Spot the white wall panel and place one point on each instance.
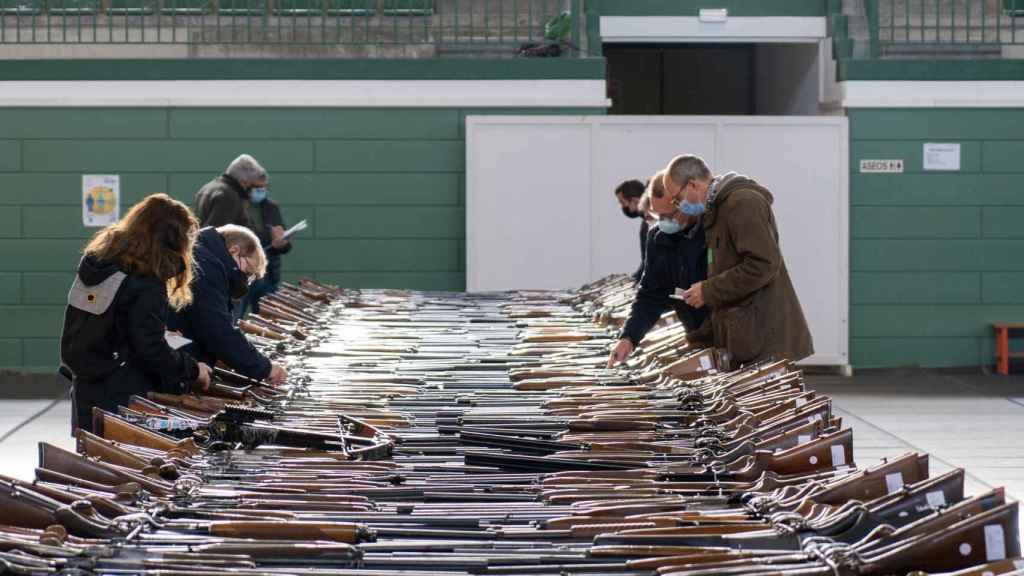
(531, 228)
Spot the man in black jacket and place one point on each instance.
(227, 258)
(266, 222)
(676, 257)
(628, 194)
(225, 199)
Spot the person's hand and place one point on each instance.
(202, 382)
(277, 239)
(694, 295)
(277, 375)
(621, 351)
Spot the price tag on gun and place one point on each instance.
(295, 229)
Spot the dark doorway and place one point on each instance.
(678, 79)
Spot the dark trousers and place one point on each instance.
(106, 394)
(257, 290)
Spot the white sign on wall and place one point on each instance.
(100, 200)
(881, 166)
(942, 156)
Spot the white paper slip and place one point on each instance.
(894, 482)
(936, 499)
(677, 294)
(175, 340)
(838, 455)
(995, 543)
(302, 225)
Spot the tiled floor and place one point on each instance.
(19, 453)
(962, 420)
(971, 421)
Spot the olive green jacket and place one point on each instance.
(755, 313)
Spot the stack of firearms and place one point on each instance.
(444, 434)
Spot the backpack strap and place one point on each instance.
(95, 299)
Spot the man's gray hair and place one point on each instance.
(245, 168)
(687, 167)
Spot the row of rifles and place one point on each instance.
(438, 434)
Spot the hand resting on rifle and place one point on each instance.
(621, 352)
(277, 375)
(202, 381)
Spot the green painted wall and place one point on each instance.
(383, 191)
(929, 70)
(936, 257)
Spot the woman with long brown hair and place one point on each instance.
(114, 340)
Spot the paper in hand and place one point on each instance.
(175, 340)
(295, 229)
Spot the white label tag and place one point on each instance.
(814, 418)
(881, 166)
(894, 482)
(800, 402)
(995, 543)
(705, 363)
(803, 439)
(936, 499)
(843, 469)
(838, 455)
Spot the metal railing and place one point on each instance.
(944, 26)
(418, 25)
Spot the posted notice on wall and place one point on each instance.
(942, 156)
(100, 199)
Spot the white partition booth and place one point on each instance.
(540, 212)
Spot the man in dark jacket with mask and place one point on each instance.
(674, 259)
(266, 222)
(227, 259)
(628, 194)
(226, 199)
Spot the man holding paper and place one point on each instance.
(266, 221)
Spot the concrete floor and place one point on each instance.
(964, 420)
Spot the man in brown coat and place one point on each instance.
(755, 313)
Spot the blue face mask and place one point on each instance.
(669, 225)
(691, 208)
(258, 195)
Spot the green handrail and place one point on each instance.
(941, 26)
(498, 27)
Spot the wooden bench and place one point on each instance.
(1003, 353)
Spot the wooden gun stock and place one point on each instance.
(346, 533)
(112, 427)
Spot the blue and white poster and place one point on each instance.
(100, 200)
